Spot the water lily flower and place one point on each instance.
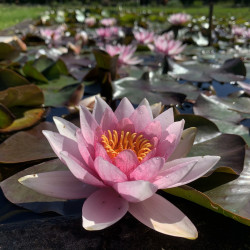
(108, 22)
(168, 47)
(125, 53)
(82, 36)
(53, 34)
(247, 34)
(90, 21)
(144, 36)
(107, 32)
(118, 160)
(179, 18)
(238, 31)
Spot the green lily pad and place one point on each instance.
(8, 52)
(29, 118)
(231, 199)
(31, 72)
(6, 117)
(55, 70)
(10, 78)
(227, 109)
(27, 146)
(25, 197)
(210, 141)
(154, 90)
(26, 95)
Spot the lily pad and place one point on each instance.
(6, 117)
(24, 197)
(26, 95)
(227, 109)
(29, 118)
(27, 146)
(137, 89)
(231, 199)
(10, 78)
(8, 52)
(210, 141)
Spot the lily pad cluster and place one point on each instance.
(62, 59)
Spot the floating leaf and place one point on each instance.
(26, 146)
(137, 89)
(9, 78)
(231, 199)
(25, 197)
(6, 117)
(8, 52)
(29, 118)
(26, 95)
(30, 71)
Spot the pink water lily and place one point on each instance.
(144, 36)
(168, 47)
(238, 31)
(125, 53)
(179, 18)
(90, 21)
(108, 22)
(118, 160)
(107, 32)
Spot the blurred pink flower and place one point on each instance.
(118, 160)
(179, 18)
(108, 22)
(168, 47)
(247, 34)
(82, 36)
(107, 32)
(53, 34)
(144, 36)
(125, 53)
(238, 31)
(90, 21)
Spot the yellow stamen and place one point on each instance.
(137, 143)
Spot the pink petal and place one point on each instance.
(88, 125)
(61, 143)
(108, 172)
(204, 164)
(147, 170)
(124, 110)
(176, 129)
(80, 171)
(162, 216)
(109, 121)
(153, 130)
(100, 151)
(166, 147)
(102, 209)
(126, 125)
(135, 191)
(185, 144)
(85, 149)
(126, 161)
(99, 109)
(146, 103)
(141, 118)
(166, 118)
(175, 171)
(58, 184)
(65, 127)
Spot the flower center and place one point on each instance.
(114, 143)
